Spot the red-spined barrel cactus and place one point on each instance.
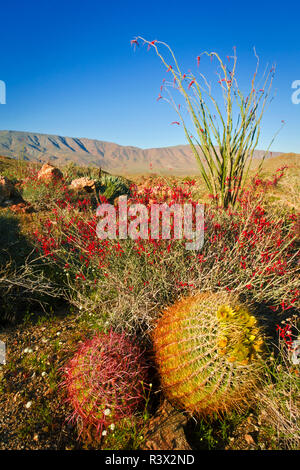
(105, 381)
(207, 350)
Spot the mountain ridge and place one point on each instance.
(112, 157)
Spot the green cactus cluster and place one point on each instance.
(207, 348)
(112, 186)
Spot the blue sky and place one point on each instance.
(69, 68)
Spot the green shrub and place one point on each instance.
(111, 187)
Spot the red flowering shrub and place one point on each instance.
(258, 181)
(42, 193)
(248, 251)
(104, 382)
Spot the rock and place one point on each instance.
(249, 439)
(22, 208)
(83, 184)
(8, 193)
(165, 431)
(49, 173)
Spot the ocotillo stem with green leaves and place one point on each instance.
(225, 169)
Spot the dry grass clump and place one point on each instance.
(21, 288)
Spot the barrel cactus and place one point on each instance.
(105, 382)
(207, 348)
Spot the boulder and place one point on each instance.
(83, 184)
(49, 173)
(8, 193)
(22, 208)
(165, 430)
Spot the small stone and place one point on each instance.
(28, 404)
(249, 439)
(27, 350)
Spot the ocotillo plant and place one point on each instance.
(234, 127)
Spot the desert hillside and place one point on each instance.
(107, 155)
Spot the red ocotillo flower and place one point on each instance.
(198, 61)
(151, 44)
(191, 83)
(175, 122)
(159, 97)
(169, 68)
(134, 42)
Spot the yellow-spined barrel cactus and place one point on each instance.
(207, 349)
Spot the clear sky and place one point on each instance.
(69, 68)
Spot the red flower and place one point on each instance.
(134, 43)
(151, 44)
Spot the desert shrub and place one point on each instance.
(42, 194)
(23, 288)
(233, 125)
(278, 400)
(72, 171)
(249, 252)
(111, 186)
(105, 382)
(207, 350)
(14, 245)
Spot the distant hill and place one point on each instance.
(107, 155)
